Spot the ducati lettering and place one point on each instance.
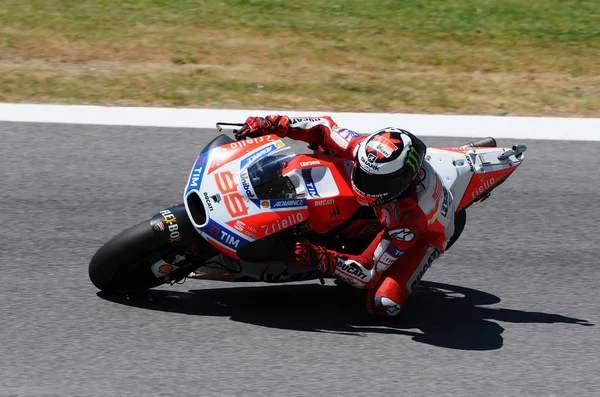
(446, 203)
(208, 203)
(304, 119)
(432, 257)
(308, 163)
(319, 203)
(171, 225)
(281, 224)
(350, 268)
(288, 203)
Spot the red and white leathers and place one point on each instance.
(417, 226)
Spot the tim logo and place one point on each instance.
(311, 188)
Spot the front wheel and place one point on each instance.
(124, 264)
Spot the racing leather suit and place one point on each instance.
(417, 226)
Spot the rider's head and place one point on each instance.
(386, 164)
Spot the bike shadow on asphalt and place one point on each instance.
(437, 314)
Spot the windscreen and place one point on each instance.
(266, 176)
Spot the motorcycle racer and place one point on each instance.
(391, 175)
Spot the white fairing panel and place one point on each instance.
(456, 168)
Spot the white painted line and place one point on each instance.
(550, 128)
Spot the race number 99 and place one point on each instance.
(233, 200)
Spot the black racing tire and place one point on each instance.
(123, 264)
(460, 220)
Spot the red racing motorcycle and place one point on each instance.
(247, 202)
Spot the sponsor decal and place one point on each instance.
(208, 203)
(427, 265)
(308, 163)
(249, 141)
(391, 307)
(244, 228)
(229, 240)
(224, 236)
(471, 166)
(196, 174)
(421, 175)
(304, 119)
(245, 182)
(446, 203)
(485, 185)
(350, 267)
(281, 224)
(265, 204)
(412, 158)
(397, 252)
(401, 234)
(337, 138)
(159, 226)
(347, 280)
(369, 162)
(232, 199)
(288, 203)
(437, 190)
(320, 203)
(347, 134)
(213, 230)
(166, 268)
(383, 147)
(257, 155)
(311, 188)
(171, 225)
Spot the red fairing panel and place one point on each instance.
(327, 212)
(480, 183)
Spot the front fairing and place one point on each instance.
(244, 193)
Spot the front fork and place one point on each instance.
(173, 229)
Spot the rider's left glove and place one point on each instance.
(321, 258)
(259, 126)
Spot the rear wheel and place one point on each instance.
(124, 264)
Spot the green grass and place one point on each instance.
(452, 56)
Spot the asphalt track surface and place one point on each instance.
(515, 309)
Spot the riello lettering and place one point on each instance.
(485, 186)
(281, 224)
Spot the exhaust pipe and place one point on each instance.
(517, 151)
